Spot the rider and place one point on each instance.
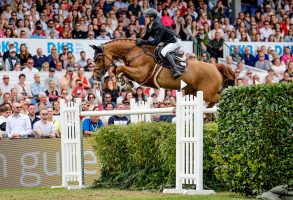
(161, 33)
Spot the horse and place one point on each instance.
(141, 67)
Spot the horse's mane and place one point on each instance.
(118, 41)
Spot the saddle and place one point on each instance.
(177, 56)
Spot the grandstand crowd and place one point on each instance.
(209, 24)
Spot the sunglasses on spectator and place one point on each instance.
(18, 107)
(45, 114)
(91, 97)
(30, 63)
(65, 49)
(6, 78)
(64, 93)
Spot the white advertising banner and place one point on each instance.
(74, 45)
(276, 46)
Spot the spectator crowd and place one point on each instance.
(33, 110)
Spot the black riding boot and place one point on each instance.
(176, 72)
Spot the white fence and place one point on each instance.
(189, 139)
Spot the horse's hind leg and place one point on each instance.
(211, 116)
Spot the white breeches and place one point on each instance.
(171, 47)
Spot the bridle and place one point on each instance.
(100, 52)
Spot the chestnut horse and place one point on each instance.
(141, 67)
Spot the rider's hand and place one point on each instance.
(139, 41)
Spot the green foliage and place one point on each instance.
(254, 145)
(143, 155)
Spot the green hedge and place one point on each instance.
(254, 145)
(142, 156)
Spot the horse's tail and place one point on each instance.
(227, 74)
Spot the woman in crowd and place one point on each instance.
(278, 68)
(92, 102)
(82, 77)
(52, 92)
(166, 19)
(139, 95)
(17, 67)
(111, 87)
(22, 88)
(56, 108)
(45, 67)
(23, 54)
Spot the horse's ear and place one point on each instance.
(94, 47)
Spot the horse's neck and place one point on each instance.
(120, 47)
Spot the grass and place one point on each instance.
(92, 194)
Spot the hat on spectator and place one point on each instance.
(12, 50)
(27, 13)
(11, 43)
(56, 20)
(201, 27)
(52, 69)
(69, 69)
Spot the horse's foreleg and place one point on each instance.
(132, 73)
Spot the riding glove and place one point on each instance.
(139, 41)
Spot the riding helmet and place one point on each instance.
(151, 13)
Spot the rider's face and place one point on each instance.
(147, 20)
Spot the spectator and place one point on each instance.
(37, 87)
(65, 95)
(66, 31)
(266, 31)
(38, 33)
(290, 69)
(6, 98)
(52, 92)
(273, 77)
(77, 33)
(58, 67)
(66, 80)
(91, 98)
(22, 88)
(166, 103)
(55, 122)
(44, 100)
(278, 68)
(217, 46)
(286, 78)
(18, 125)
(52, 77)
(5, 86)
(15, 96)
(5, 113)
(203, 39)
(17, 67)
(217, 29)
(289, 37)
(119, 119)
(82, 61)
(111, 88)
(39, 59)
(79, 91)
(43, 128)
(32, 115)
(7, 53)
(24, 55)
(103, 35)
(30, 66)
(139, 95)
(20, 28)
(218, 10)
(82, 77)
(248, 58)
(236, 55)
(91, 125)
(287, 55)
(262, 63)
(11, 60)
(56, 108)
(63, 55)
(51, 57)
(45, 67)
(107, 99)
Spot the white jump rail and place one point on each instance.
(189, 140)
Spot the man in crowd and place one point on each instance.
(43, 128)
(18, 125)
(39, 59)
(32, 114)
(119, 119)
(90, 125)
(248, 58)
(82, 61)
(5, 86)
(37, 87)
(30, 66)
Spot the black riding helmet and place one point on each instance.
(151, 13)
